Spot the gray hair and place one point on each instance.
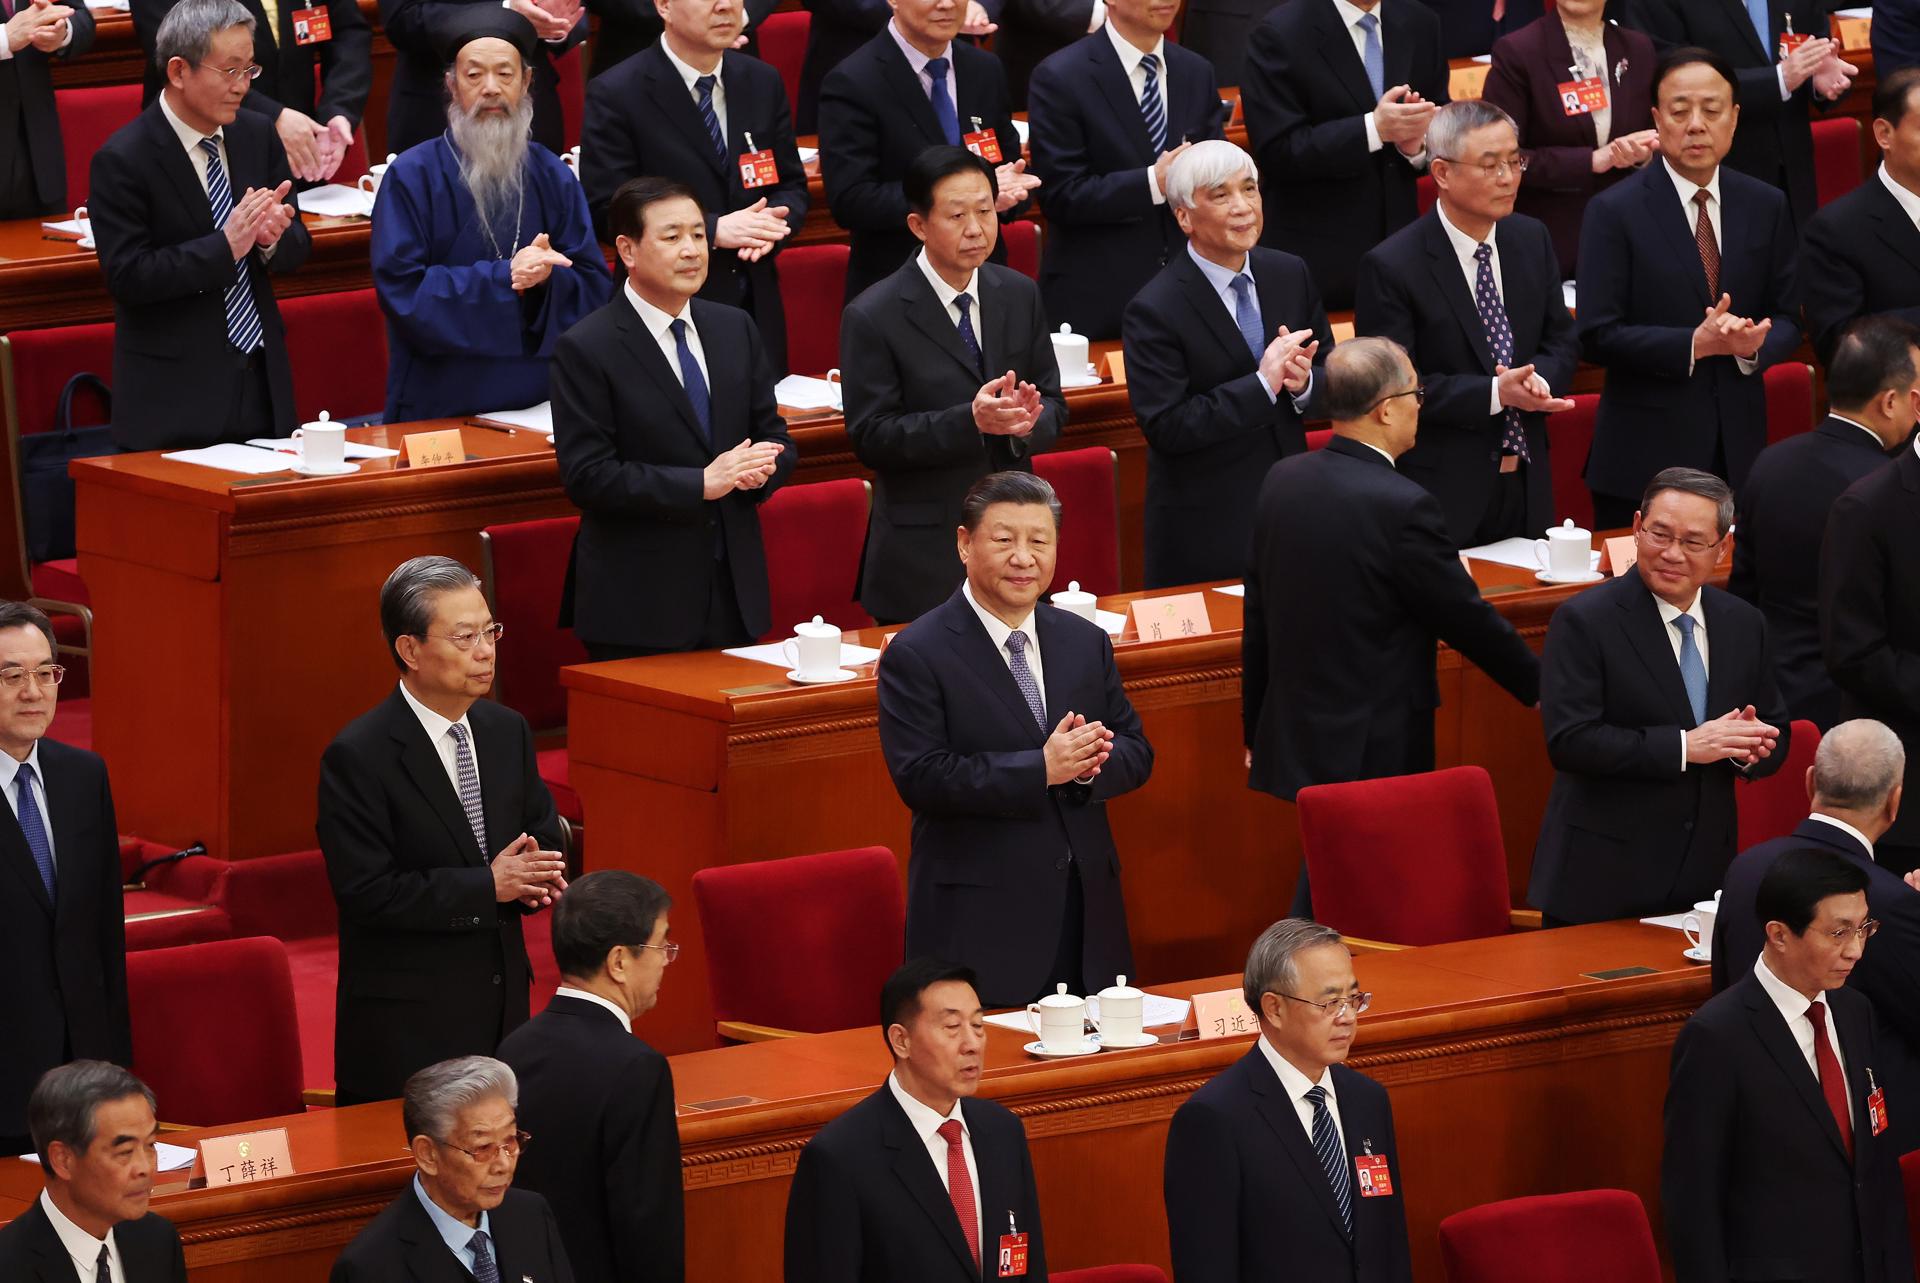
(1007, 487)
(433, 1098)
(1447, 133)
(1270, 963)
(1695, 482)
(1203, 166)
(64, 1100)
(1358, 373)
(406, 599)
(1858, 765)
(190, 26)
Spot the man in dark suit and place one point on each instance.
(1686, 297)
(1028, 32)
(1338, 96)
(460, 1218)
(1006, 730)
(1468, 28)
(1285, 1165)
(1472, 291)
(628, 26)
(1221, 348)
(599, 1099)
(669, 469)
(1110, 114)
(315, 123)
(1777, 1160)
(920, 1180)
(1873, 387)
(1217, 30)
(438, 834)
(909, 88)
(1896, 36)
(1342, 540)
(649, 119)
(1656, 692)
(33, 164)
(420, 31)
(1861, 254)
(192, 208)
(948, 375)
(62, 911)
(93, 1128)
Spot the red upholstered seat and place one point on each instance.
(1411, 859)
(1773, 805)
(1112, 1274)
(1836, 157)
(214, 1030)
(571, 84)
(1089, 547)
(1023, 246)
(1426, 193)
(88, 117)
(1588, 1236)
(287, 896)
(843, 912)
(1569, 438)
(783, 44)
(1319, 437)
(813, 535)
(1789, 387)
(338, 344)
(177, 903)
(72, 719)
(813, 281)
(525, 570)
(556, 771)
(1910, 1178)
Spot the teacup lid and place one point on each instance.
(1568, 530)
(1072, 592)
(324, 421)
(1120, 989)
(818, 627)
(1067, 330)
(1061, 998)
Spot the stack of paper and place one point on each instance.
(168, 1158)
(798, 392)
(1518, 552)
(775, 653)
(291, 445)
(336, 201)
(535, 418)
(233, 458)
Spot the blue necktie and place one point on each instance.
(1023, 677)
(943, 101)
(484, 1270)
(1326, 1144)
(1693, 669)
(1246, 315)
(694, 382)
(34, 828)
(712, 118)
(1762, 25)
(1376, 64)
(964, 302)
(243, 319)
(1493, 318)
(1152, 110)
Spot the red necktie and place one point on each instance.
(1832, 1084)
(1709, 247)
(960, 1185)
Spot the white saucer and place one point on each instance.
(825, 679)
(1038, 1048)
(1085, 381)
(85, 242)
(306, 469)
(1115, 1044)
(1548, 577)
(1695, 955)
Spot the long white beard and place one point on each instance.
(493, 155)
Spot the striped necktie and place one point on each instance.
(710, 117)
(1326, 1144)
(470, 788)
(243, 319)
(1152, 110)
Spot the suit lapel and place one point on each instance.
(1663, 204)
(55, 1265)
(18, 859)
(1397, 56)
(995, 315)
(1057, 672)
(971, 640)
(1114, 82)
(907, 90)
(913, 1167)
(739, 116)
(927, 315)
(424, 766)
(1722, 692)
(165, 144)
(723, 391)
(1771, 1028)
(1452, 284)
(1743, 22)
(648, 356)
(1642, 624)
(1895, 229)
(1210, 311)
(1855, 1043)
(64, 815)
(669, 94)
(998, 1195)
(1280, 1114)
(428, 1258)
(500, 771)
(1336, 46)
(1735, 262)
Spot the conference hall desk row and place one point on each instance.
(1512, 1067)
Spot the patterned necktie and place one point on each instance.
(1493, 317)
(964, 304)
(694, 381)
(1246, 315)
(1373, 59)
(1023, 677)
(1326, 1144)
(711, 117)
(243, 319)
(34, 827)
(960, 1186)
(469, 788)
(1709, 246)
(1693, 669)
(1833, 1084)
(1152, 110)
(102, 1266)
(942, 101)
(484, 1270)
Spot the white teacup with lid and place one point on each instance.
(1070, 351)
(1120, 1020)
(814, 650)
(1061, 1020)
(1566, 552)
(323, 445)
(1080, 603)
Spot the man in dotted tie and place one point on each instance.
(1656, 693)
(438, 836)
(1285, 1166)
(1779, 1161)
(920, 1181)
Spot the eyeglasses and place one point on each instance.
(1862, 933)
(1334, 1008)
(46, 675)
(671, 948)
(467, 641)
(485, 1155)
(234, 75)
(1417, 392)
(1492, 169)
(1661, 540)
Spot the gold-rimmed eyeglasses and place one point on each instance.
(1334, 1008)
(485, 1154)
(467, 641)
(45, 675)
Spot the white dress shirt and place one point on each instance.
(10, 773)
(918, 61)
(567, 991)
(1222, 278)
(82, 1247)
(438, 731)
(1878, 444)
(1846, 828)
(660, 325)
(1908, 201)
(689, 75)
(1698, 613)
(1793, 1009)
(1137, 77)
(926, 1124)
(1464, 247)
(1377, 450)
(197, 157)
(1685, 188)
(999, 633)
(946, 294)
(1350, 14)
(455, 1234)
(1297, 1085)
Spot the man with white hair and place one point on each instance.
(483, 251)
(1221, 349)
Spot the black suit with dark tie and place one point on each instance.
(1860, 256)
(33, 163)
(344, 60)
(31, 1251)
(403, 1245)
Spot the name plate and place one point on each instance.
(247, 1157)
(435, 449)
(1117, 367)
(1223, 1015)
(1166, 618)
(1853, 33)
(1622, 553)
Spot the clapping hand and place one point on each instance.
(1288, 361)
(1006, 407)
(535, 262)
(1523, 389)
(1724, 334)
(1076, 750)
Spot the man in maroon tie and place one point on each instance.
(1780, 1160)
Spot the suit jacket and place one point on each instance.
(1105, 236)
(168, 268)
(417, 101)
(868, 1206)
(1412, 290)
(1642, 294)
(1896, 36)
(641, 120)
(1031, 31)
(909, 389)
(1870, 611)
(1329, 199)
(1627, 831)
(1754, 1179)
(1343, 539)
(1468, 28)
(874, 119)
(402, 1245)
(1217, 30)
(835, 29)
(31, 1251)
(27, 114)
(1860, 256)
(632, 458)
(1782, 518)
(431, 965)
(1247, 1198)
(1528, 68)
(344, 60)
(628, 26)
(991, 839)
(608, 1159)
(1212, 432)
(71, 955)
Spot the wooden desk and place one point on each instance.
(1511, 1073)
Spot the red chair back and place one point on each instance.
(286, 896)
(1910, 1178)
(1588, 1236)
(1570, 437)
(1023, 246)
(1773, 805)
(813, 281)
(1836, 157)
(1789, 388)
(1318, 438)
(571, 83)
(1112, 1274)
(1426, 193)
(338, 346)
(187, 1004)
(813, 535)
(88, 117)
(525, 569)
(842, 911)
(1089, 546)
(43, 360)
(1411, 859)
(782, 38)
